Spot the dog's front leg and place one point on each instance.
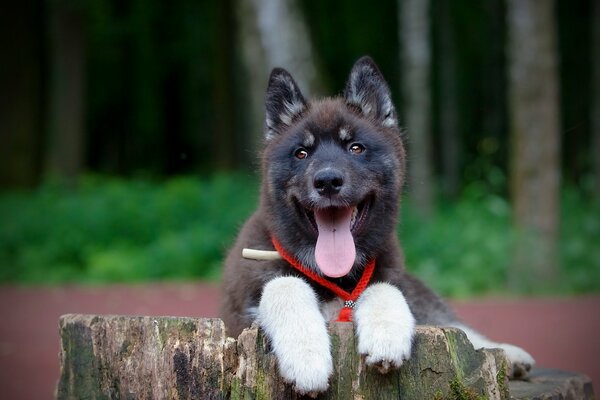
(289, 314)
(384, 325)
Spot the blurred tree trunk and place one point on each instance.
(449, 128)
(273, 33)
(595, 98)
(21, 93)
(416, 66)
(534, 125)
(144, 149)
(224, 129)
(65, 147)
(494, 79)
(255, 73)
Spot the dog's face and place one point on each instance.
(332, 170)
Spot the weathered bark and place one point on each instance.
(144, 357)
(535, 140)
(187, 358)
(416, 89)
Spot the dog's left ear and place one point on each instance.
(367, 89)
(283, 102)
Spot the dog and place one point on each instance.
(322, 243)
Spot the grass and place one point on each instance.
(113, 230)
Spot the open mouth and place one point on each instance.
(357, 217)
(336, 228)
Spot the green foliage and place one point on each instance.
(466, 248)
(580, 249)
(113, 230)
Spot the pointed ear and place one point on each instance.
(284, 102)
(367, 89)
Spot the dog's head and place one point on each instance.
(332, 170)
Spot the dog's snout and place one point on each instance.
(328, 181)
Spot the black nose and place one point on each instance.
(328, 181)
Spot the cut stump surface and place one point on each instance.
(189, 358)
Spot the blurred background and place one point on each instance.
(130, 133)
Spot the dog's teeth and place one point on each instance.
(354, 214)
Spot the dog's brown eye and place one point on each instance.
(301, 153)
(356, 148)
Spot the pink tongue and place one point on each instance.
(335, 251)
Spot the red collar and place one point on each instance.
(349, 298)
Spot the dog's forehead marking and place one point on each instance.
(345, 133)
(309, 139)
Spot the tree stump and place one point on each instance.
(189, 358)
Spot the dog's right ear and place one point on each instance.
(283, 102)
(367, 89)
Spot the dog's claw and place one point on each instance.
(520, 370)
(383, 366)
(521, 361)
(312, 394)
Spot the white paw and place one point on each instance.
(516, 354)
(385, 326)
(289, 314)
(521, 361)
(307, 367)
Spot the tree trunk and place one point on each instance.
(493, 82)
(450, 140)
(273, 33)
(534, 129)
(66, 139)
(224, 138)
(416, 66)
(143, 146)
(186, 358)
(595, 99)
(21, 96)
(255, 73)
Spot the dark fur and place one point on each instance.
(365, 110)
